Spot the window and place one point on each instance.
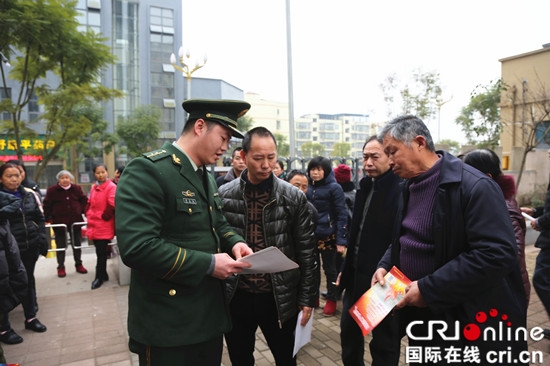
(278, 125)
(88, 15)
(541, 128)
(34, 110)
(126, 76)
(327, 127)
(161, 25)
(5, 116)
(329, 136)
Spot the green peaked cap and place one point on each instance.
(222, 111)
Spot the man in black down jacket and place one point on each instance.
(373, 218)
(268, 211)
(455, 242)
(13, 277)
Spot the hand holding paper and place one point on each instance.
(528, 217)
(268, 260)
(303, 333)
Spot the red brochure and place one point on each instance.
(378, 301)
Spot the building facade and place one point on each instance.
(324, 129)
(525, 103)
(142, 34)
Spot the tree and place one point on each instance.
(98, 140)
(282, 147)
(454, 146)
(244, 123)
(140, 130)
(480, 119)
(420, 96)
(535, 129)
(341, 149)
(40, 37)
(310, 149)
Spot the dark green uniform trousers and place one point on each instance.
(207, 353)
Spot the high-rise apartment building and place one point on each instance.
(324, 129)
(142, 34)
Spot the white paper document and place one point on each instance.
(528, 217)
(268, 260)
(303, 334)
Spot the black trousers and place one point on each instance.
(208, 353)
(60, 242)
(101, 253)
(384, 346)
(248, 311)
(29, 258)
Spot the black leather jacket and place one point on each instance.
(288, 226)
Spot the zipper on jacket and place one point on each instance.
(272, 280)
(245, 239)
(22, 208)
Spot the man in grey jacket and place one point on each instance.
(268, 212)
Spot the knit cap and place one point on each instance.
(342, 173)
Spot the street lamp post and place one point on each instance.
(4, 59)
(439, 105)
(290, 85)
(186, 68)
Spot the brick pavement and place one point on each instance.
(87, 328)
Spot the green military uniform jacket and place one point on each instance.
(167, 230)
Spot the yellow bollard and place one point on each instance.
(52, 245)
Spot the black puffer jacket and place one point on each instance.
(288, 226)
(27, 224)
(13, 277)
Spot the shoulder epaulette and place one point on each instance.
(156, 155)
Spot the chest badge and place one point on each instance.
(188, 193)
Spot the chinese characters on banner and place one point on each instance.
(30, 147)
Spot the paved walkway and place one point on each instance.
(87, 328)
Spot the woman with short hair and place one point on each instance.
(64, 204)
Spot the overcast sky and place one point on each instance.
(343, 50)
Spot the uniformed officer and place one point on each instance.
(172, 234)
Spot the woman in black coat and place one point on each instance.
(13, 277)
(27, 226)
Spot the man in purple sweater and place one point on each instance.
(456, 244)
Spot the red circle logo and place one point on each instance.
(471, 332)
(481, 317)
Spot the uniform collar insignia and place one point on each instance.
(176, 159)
(188, 193)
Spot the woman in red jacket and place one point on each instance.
(101, 220)
(64, 204)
